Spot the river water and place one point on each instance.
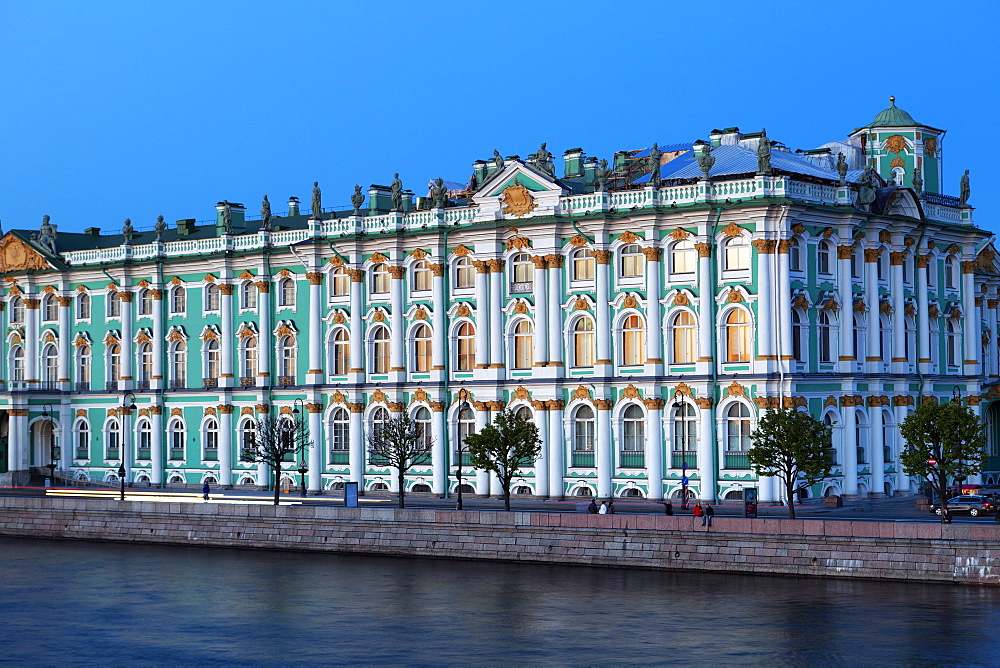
(65, 602)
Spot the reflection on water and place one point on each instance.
(72, 602)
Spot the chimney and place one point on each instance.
(293, 206)
(379, 199)
(573, 163)
(185, 227)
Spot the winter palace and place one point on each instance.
(643, 310)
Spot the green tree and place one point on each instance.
(793, 446)
(504, 446)
(276, 441)
(951, 435)
(399, 442)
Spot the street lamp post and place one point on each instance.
(53, 448)
(128, 406)
(679, 406)
(303, 467)
(461, 451)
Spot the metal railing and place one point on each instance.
(583, 458)
(340, 457)
(631, 459)
(678, 458)
(736, 460)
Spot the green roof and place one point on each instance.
(892, 117)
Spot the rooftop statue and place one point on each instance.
(918, 180)
(654, 165)
(396, 193)
(227, 216)
(866, 190)
(161, 227)
(963, 189)
(357, 199)
(543, 161)
(317, 201)
(842, 169)
(265, 215)
(128, 230)
(471, 186)
(497, 160)
(47, 235)
(602, 173)
(764, 154)
(706, 160)
(440, 194)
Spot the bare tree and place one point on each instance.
(401, 443)
(274, 439)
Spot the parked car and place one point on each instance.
(974, 505)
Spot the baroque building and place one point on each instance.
(644, 313)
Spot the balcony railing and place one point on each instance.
(583, 458)
(340, 457)
(142, 454)
(211, 455)
(466, 459)
(111, 385)
(48, 385)
(377, 460)
(248, 381)
(736, 460)
(887, 454)
(177, 454)
(178, 384)
(82, 453)
(142, 384)
(678, 458)
(82, 385)
(209, 383)
(521, 286)
(286, 381)
(112, 454)
(632, 459)
(862, 458)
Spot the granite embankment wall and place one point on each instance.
(966, 553)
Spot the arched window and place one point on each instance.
(524, 354)
(861, 437)
(466, 427)
(888, 432)
(794, 255)
(248, 440)
(682, 330)
(633, 341)
(286, 292)
(114, 362)
(832, 451)
(932, 271)
(683, 257)
(144, 354)
(935, 340)
(144, 439)
(50, 309)
(145, 302)
(178, 364)
(583, 264)
(341, 350)
(583, 342)
(465, 273)
(422, 348)
(633, 261)
(211, 442)
(211, 297)
(50, 366)
(685, 444)
(738, 429)
(83, 306)
(286, 359)
(248, 295)
(952, 338)
(248, 360)
(884, 334)
(114, 305)
(898, 174)
(523, 270)
(17, 363)
(737, 336)
(422, 276)
(379, 417)
(381, 278)
(951, 273)
(341, 284)
(82, 432)
(16, 310)
(83, 367)
(859, 337)
(175, 438)
(798, 333)
(736, 254)
(466, 347)
(380, 350)
(825, 337)
(178, 300)
(633, 431)
(856, 263)
(212, 359)
(909, 338)
(340, 430)
(113, 440)
(583, 429)
(823, 253)
(882, 264)
(422, 418)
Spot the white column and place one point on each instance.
(128, 456)
(555, 277)
(654, 321)
(850, 449)
(156, 444)
(898, 312)
(654, 449)
(66, 444)
(65, 348)
(315, 373)
(605, 459)
(159, 342)
(902, 480)
(872, 356)
(439, 345)
(923, 319)
(31, 343)
(397, 343)
(706, 291)
(768, 299)
(557, 449)
(496, 314)
(226, 348)
(848, 354)
(357, 333)
(482, 419)
(971, 329)
(541, 418)
(357, 445)
(875, 441)
(707, 447)
(317, 434)
(439, 457)
(990, 363)
(266, 344)
(225, 444)
(128, 345)
(783, 314)
(17, 439)
(482, 317)
(603, 315)
(540, 288)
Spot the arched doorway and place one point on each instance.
(43, 442)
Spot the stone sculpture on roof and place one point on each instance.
(265, 215)
(497, 160)
(866, 190)
(543, 161)
(227, 216)
(706, 160)
(963, 189)
(396, 193)
(764, 154)
(357, 199)
(47, 234)
(918, 180)
(602, 173)
(440, 193)
(161, 227)
(128, 230)
(317, 201)
(654, 165)
(842, 169)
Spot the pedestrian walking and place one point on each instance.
(604, 509)
(592, 508)
(205, 489)
(707, 515)
(611, 506)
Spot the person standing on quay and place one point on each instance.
(611, 506)
(205, 489)
(709, 513)
(604, 508)
(592, 508)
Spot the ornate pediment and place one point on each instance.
(17, 255)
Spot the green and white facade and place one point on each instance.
(641, 328)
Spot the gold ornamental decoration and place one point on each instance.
(895, 143)
(930, 146)
(16, 255)
(518, 200)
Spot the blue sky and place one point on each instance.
(135, 109)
